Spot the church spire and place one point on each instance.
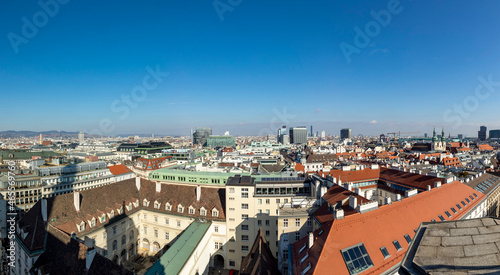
(434, 138)
(443, 138)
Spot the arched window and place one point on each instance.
(131, 235)
(124, 240)
(115, 245)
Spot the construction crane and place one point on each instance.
(399, 134)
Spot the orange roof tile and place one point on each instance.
(354, 176)
(119, 169)
(389, 223)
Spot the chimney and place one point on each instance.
(158, 187)
(323, 191)
(76, 200)
(138, 183)
(388, 200)
(410, 193)
(198, 192)
(353, 202)
(88, 242)
(338, 214)
(89, 258)
(44, 209)
(311, 239)
(398, 197)
(437, 184)
(358, 191)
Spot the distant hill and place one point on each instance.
(52, 134)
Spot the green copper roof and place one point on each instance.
(22, 154)
(179, 253)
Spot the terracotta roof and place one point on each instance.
(382, 226)
(319, 237)
(119, 169)
(354, 176)
(485, 147)
(410, 180)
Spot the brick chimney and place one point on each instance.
(76, 201)
(138, 183)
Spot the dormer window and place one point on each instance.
(129, 207)
(136, 203)
(102, 218)
(111, 214)
(145, 203)
(215, 213)
(168, 207)
(157, 205)
(203, 211)
(81, 227)
(92, 222)
(120, 210)
(180, 208)
(191, 210)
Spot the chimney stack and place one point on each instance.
(388, 200)
(44, 209)
(311, 239)
(437, 184)
(398, 197)
(338, 214)
(76, 200)
(198, 192)
(428, 188)
(138, 183)
(353, 202)
(158, 187)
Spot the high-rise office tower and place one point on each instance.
(201, 135)
(298, 135)
(345, 133)
(481, 134)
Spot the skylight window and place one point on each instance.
(475, 195)
(459, 207)
(356, 258)
(464, 204)
(408, 238)
(441, 217)
(397, 245)
(447, 214)
(467, 199)
(453, 209)
(385, 252)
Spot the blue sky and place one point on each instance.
(242, 72)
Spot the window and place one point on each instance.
(268, 212)
(216, 229)
(114, 230)
(244, 193)
(447, 214)
(180, 209)
(244, 217)
(453, 209)
(178, 223)
(244, 227)
(156, 218)
(259, 222)
(167, 221)
(145, 216)
(277, 200)
(156, 233)
(268, 233)
(309, 221)
(285, 254)
(463, 203)
(468, 201)
(167, 236)
(268, 201)
(124, 239)
(259, 211)
(231, 190)
(145, 230)
(104, 235)
(356, 258)
(408, 239)
(259, 201)
(191, 211)
(397, 245)
(385, 253)
(157, 205)
(232, 263)
(441, 217)
(168, 207)
(244, 237)
(297, 236)
(115, 245)
(475, 195)
(297, 222)
(215, 213)
(285, 222)
(267, 222)
(244, 248)
(131, 236)
(244, 206)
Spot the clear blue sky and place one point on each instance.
(263, 56)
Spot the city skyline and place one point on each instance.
(250, 69)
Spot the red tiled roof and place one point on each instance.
(382, 226)
(411, 180)
(485, 147)
(119, 169)
(354, 176)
